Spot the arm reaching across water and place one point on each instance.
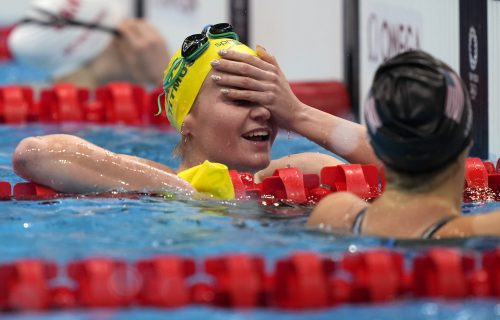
(247, 77)
(72, 165)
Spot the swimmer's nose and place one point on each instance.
(260, 113)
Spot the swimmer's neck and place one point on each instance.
(447, 194)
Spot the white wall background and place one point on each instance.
(305, 36)
(14, 10)
(435, 22)
(177, 19)
(494, 78)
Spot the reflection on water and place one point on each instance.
(140, 226)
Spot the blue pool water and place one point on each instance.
(67, 229)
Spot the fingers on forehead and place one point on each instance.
(245, 57)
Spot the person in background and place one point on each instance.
(235, 133)
(419, 120)
(89, 43)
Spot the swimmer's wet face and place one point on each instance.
(238, 134)
(234, 132)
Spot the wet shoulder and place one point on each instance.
(485, 224)
(338, 210)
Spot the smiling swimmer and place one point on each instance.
(182, 81)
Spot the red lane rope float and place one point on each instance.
(330, 96)
(127, 103)
(291, 185)
(302, 280)
(240, 281)
(5, 54)
(16, 105)
(122, 103)
(5, 190)
(63, 102)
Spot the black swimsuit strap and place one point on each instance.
(356, 226)
(428, 234)
(436, 226)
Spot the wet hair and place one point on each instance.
(179, 150)
(418, 114)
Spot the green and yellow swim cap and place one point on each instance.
(180, 96)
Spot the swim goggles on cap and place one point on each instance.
(55, 20)
(192, 47)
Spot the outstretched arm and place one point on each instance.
(70, 164)
(260, 80)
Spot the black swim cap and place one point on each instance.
(418, 113)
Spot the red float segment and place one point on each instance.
(494, 184)
(103, 282)
(94, 112)
(24, 285)
(16, 104)
(361, 180)
(490, 167)
(202, 293)
(32, 191)
(377, 275)
(164, 281)
(63, 102)
(5, 53)
(329, 96)
(62, 297)
(286, 183)
(239, 280)
(5, 190)
(491, 265)
(290, 184)
(479, 283)
(442, 273)
(303, 281)
(316, 194)
(122, 102)
(238, 185)
(476, 174)
(152, 109)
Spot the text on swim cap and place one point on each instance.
(175, 88)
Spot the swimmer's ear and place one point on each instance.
(187, 125)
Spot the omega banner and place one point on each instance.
(386, 30)
(474, 67)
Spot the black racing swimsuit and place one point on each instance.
(356, 227)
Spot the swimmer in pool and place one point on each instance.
(89, 43)
(235, 132)
(419, 119)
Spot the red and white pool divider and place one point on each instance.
(303, 280)
(482, 182)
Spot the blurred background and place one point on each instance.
(341, 40)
